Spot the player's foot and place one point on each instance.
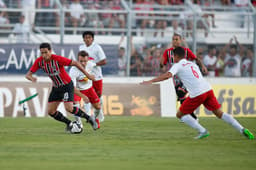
(69, 127)
(202, 135)
(248, 134)
(101, 117)
(98, 122)
(94, 124)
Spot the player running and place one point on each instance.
(200, 92)
(168, 60)
(63, 89)
(82, 83)
(96, 52)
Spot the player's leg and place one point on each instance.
(212, 104)
(54, 99)
(68, 103)
(98, 86)
(77, 100)
(187, 107)
(182, 93)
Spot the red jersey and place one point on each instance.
(54, 69)
(169, 57)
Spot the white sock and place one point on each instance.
(189, 120)
(101, 103)
(232, 121)
(96, 112)
(87, 108)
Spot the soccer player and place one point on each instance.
(96, 52)
(82, 83)
(200, 92)
(63, 89)
(168, 60)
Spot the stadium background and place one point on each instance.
(141, 26)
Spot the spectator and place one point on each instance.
(241, 4)
(77, 14)
(220, 65)
(29, 13)
(210, 61)
(46, 18)
(147, 63)
(136, 64)
(209, 3)
(116, 18)
(155, 62)
(232, 62)
(225, 2)
(93, 19)
(161, 24)
(247, 63)
(121, 62)
(3, 15)
(144, 5)
(22, 31)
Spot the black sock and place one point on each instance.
(193, 115)
(59, 116)
(78, 112)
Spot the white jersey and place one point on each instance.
(96, 52)
(80, 81)
(190, 75)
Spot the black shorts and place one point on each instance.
(64, 93)
(180, 89)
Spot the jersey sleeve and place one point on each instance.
(100, 53)
(35, 66)
(63, 60)
(174, 69)
(190, 55)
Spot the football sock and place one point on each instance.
(87, 107)
(189, 120)
(80, 113)
(232, 121)
(193, 115)
(59, 116)
(96, 112)
(78, 119)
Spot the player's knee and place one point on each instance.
(97, 106)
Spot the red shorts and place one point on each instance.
(208, 99)
(97, 85)
(90, 93)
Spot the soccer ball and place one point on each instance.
(76, 128)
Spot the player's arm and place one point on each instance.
(79, 66)
(84, 97)
(201, 65)
(162, 77)
(30, 76)
(101, 63)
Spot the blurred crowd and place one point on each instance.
(76, 17)
(228, 60)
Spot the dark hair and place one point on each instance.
(233, 46)
(82, 53)
(179, 51)
(45, 45)
(88, 33)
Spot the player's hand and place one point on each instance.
(204, 70)
(34, 79)
(146, 83)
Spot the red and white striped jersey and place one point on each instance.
(54, 68)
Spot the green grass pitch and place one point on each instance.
(125, 143)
